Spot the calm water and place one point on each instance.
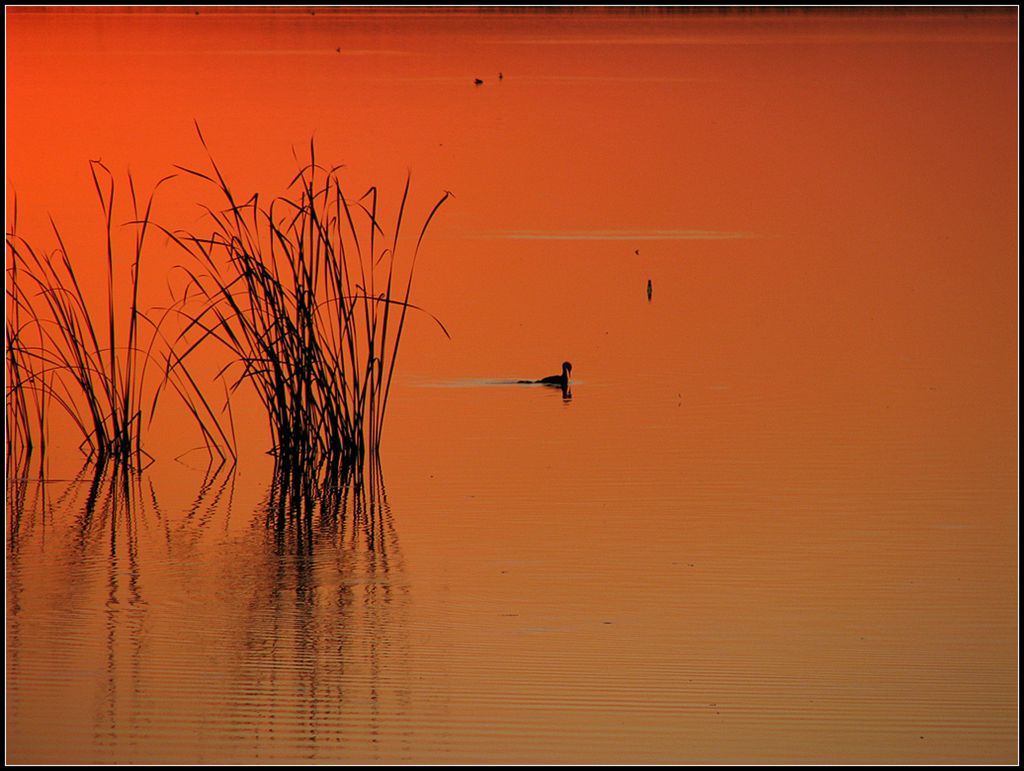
(776, 521)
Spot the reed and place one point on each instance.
(98, 364)
(25, 404)
(309, 298)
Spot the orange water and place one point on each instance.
(775, 523)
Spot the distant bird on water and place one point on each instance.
(478, 82)
(559, 380)
(650, 290)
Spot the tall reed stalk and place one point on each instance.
(94, 364)
(309, 298)
(24, 425)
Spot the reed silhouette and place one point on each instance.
(309, 300)
(307, 296)
(101, 365)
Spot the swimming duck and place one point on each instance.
(559, 380)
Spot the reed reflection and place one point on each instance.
(326, 637)
(20, 494)
(86, 530)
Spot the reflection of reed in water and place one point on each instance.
(288, 637)
(325, 653)
(98, 549)
(330, 503)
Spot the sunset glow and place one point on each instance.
(772, 519)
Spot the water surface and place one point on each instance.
(775, 523)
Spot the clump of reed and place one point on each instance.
(309, 298)
(100, 366)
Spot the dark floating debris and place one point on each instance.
(501, 76)
(650, 290)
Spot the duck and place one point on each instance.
(559, 380)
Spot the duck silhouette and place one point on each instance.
(555, 380)
(558, 380)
